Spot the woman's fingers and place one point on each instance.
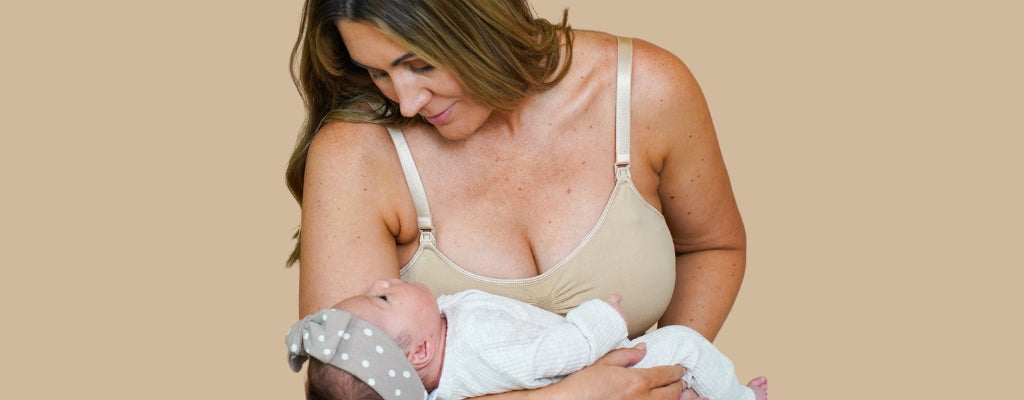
(689, 394)
(655, 383)
(664, 375)
(668, 392)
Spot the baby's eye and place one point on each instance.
(383, 297)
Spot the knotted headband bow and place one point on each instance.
(338, 338)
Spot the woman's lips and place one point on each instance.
(440, 118)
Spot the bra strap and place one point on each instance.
(622, 98)
(412, 178)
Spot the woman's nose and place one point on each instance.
(411, 96)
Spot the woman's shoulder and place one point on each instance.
(660, 74)
(657, 72)
(341, 138)
(667, 104)
(357, 164)
(355, 146)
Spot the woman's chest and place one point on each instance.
(517, 209)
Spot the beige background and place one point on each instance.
(874, 147)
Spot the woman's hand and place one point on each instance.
(609, 378)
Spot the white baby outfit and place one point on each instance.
(496, 344)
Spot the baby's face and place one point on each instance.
(397, 307)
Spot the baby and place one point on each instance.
(473, 343)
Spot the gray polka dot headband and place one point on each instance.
(338, 338)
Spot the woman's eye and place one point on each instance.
(421, 67)
(378, 75)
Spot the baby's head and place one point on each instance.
(405, 311)
(377, 342)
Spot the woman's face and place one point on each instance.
(417, 86)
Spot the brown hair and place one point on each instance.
(498, 49)
(326, 382)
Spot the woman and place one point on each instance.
(467, 144)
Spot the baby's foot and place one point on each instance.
(760, 387)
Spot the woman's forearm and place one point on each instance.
(707, 283)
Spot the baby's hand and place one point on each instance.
(614, 301)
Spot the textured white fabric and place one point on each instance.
(496, 344)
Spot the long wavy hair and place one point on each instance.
(498, 49)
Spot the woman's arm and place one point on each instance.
(693, 188)
(351, 209)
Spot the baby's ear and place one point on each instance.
(421, 354)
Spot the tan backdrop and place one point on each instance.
(874, 148)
